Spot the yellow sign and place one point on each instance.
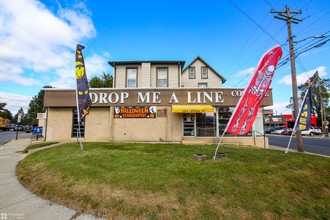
(192, 108)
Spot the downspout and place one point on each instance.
(179, 66)
(46, 122)
(114, 77)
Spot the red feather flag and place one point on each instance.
(247, 107)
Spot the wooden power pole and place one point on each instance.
(288, 16)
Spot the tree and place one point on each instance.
(319, 94)
(104, 81)
(2, 106)
(5, 112)
(35, 106)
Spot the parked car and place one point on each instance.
(287, 131)
(28, 128)
(276, 130)
(269, 130)
(283, 131)
(18, 128)
(312, 131)
(12, 127)
(318, 130)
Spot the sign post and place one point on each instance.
(19, 117)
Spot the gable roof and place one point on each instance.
(206, 64)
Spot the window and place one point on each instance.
(192, 73)
(204, 72)
(131, 77)
(162, 77)
(202, 85)
(206, 124)
(224, 115)
(75, 126)
(188, 125)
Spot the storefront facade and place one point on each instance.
(153, 101)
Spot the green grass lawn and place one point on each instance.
(163, 181)
(38, 145)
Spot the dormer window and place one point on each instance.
(192, 74)
(204, 72)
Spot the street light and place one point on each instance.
(314, 37)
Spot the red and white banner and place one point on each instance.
(247, 107)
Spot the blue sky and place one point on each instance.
(38, 38)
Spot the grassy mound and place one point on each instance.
(163, 181)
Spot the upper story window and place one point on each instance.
(204, 72)
(192, 74)
(162, 77)
(131, 74)
(202, 85)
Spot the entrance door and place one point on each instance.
(189, 125)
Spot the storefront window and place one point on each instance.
(224, 115)
(75, 126)
(199, 125)
(206, 124)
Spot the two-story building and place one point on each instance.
(152, 101)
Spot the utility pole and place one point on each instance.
(287, 16)
(323, 114)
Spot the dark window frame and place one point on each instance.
(194, 76)
(207, 74)
(136, 76)
(157, 77)
(203, 83)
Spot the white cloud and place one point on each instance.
(15, 102)
(303, 77)
(280, 108)
(37, 45)
(244, 72)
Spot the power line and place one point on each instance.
(251, 19)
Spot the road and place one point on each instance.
(6, 136)
(315, 144)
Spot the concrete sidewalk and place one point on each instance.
(19, 203)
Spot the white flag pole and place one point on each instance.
(295, 124)
(78, 119)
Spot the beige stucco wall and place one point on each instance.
(59, 124)
(101, 126)
(213, 79)
(97, 126)
(159, 129)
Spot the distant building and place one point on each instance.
(285, 120)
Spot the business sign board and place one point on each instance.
(41, 116)
(135, 112)
(217, 97)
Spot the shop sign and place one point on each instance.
(135, 112)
